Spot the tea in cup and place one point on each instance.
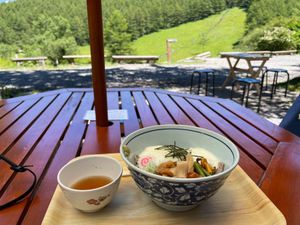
(90, 182)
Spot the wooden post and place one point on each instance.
(169, 49)
(98, 61)
(168, 52)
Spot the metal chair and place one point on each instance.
(206, 73)
(247, 82)
(276, 72)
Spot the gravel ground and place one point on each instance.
(173, 78)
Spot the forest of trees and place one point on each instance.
(57, 27)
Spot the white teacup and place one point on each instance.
(82, 167)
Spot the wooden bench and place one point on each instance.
(131, 58)
(203, 55)
(41, 60)
(287, 52)
(71, 58)
(264, 53)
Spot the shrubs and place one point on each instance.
(279, 34)
(7, 51)
(276, 39)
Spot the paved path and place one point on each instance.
(174, 78)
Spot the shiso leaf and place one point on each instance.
(175, 151)
(126, 150)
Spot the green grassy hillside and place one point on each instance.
(216, 33)
(6, 64)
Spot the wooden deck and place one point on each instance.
(47, 130)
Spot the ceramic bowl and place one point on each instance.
(90, 200)
(179, 194)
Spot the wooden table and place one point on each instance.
(47, 130)
(234, 59)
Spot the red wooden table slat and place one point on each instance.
(67, 151)
(11, 215)
(33, 96)
(144, 110)
(260, 137)
(127, 103)
(195, 115)
(254, 171)
(179, 116)
(278, 133)
(244, 142)
(160, 112)
(282, 181)
(245, 162)
(104, 139)
(184, 95)
(115, 128)
(16, 114)
(7, 108)
(19, 150)
(41, 156)
(50, 147)
(12, 133)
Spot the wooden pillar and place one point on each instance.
(168, 51)
(98, 61)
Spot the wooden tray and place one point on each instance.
(239, 201)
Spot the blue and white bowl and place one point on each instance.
(179, 194)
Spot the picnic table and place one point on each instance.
(235, 58)
(47, 130)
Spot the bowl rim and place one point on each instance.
(83, 157)
(224, 139)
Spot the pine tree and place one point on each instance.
(117, 39)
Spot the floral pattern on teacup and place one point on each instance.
(97, 201)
